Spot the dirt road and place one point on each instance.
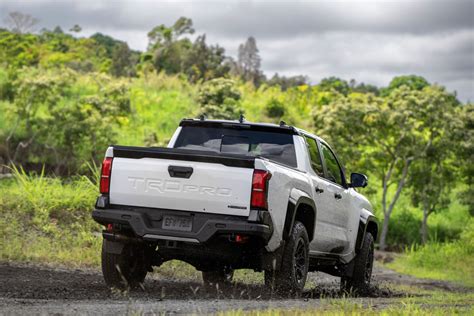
(30, 289)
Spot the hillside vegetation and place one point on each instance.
(65, 98)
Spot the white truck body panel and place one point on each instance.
(212, 188)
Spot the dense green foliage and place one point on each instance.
(219, 99)
(65, 98)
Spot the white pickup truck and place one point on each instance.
(229, 195)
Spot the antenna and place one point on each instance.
(282, 123)
(202, 117)
(241, 118)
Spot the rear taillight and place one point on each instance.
(105, 175)
(259, 189)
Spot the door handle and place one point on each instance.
(180, 172)
(318, 190)
(337, 196)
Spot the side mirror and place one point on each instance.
(358, 180)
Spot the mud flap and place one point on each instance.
(113, 247)
(348, 269)
(272, 260)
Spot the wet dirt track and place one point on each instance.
(30, 289)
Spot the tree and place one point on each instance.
(21, 23)
(287, 82)
(433, 175)
(33, 89)
(122, 64)
(412, 82)
(162, 35)
(431, 181)
(108, 42)
(58, 30)
(78, 131)
(204, 62)
(219, 99)
(248, 62)
(386, 135)
(168, 49)
(334, 84)
(363, 88)
(18, 50)
(463, 135)
(76, 29)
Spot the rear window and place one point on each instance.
(272, 145)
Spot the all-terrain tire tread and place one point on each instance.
(284, 280)
(357, 282)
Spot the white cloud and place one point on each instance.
(368, 40)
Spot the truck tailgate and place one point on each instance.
(186, 183)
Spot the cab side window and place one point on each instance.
(332, 166)
(316, 163)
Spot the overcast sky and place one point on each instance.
(370, 41)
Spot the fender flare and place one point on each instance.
(362, 230)
(297, 198)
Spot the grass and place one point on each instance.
(47, 220)
(429, 303)
(453, 261)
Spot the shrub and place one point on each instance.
(275, 108)
(219, 99)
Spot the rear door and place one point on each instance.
(337, 219)
(328, 234)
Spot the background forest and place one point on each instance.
(65, 97)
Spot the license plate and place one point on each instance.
(181, 223)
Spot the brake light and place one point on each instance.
(259, 189)
(105, 175)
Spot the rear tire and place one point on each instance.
(126, 270)
(359, 283)
(291, 277)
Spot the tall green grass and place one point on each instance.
(45, 219)
(453, 261)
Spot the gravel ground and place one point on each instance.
(33, 289)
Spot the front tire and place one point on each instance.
(124, 270)
(291, 278)
(359, 283)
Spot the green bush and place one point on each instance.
(219, 99)
(275, 109)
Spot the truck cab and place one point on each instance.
(227, 195)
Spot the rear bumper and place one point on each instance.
(146, 224)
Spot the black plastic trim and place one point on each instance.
(286, 129)
(231, 160)
(145, 221)
(362, 231)
(291, 214)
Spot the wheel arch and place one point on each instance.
(302, 208)
(368, 225)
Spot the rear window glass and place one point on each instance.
(272, 145)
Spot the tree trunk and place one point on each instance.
(387, 212)
(384, 232)
(424, 228)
